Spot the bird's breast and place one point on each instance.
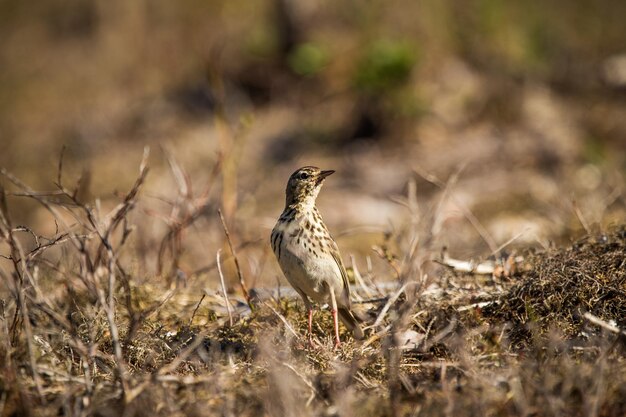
(305, 259)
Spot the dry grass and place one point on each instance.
(481, 126)
(589, 276)
(81, 335)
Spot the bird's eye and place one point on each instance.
(304, 176)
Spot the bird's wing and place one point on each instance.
(344, 274)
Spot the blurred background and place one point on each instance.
(468, 125)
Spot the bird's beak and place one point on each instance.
(324, 174)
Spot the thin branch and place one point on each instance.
(60, 167)
(208, 268)
(195, 310)
(580, 217)
(482, 231)
(607, 326)
(511, 240)
(219, 269)
(390, 302)
(21, 269)
(284, 320)
(242, 283)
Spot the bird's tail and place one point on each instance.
(351, 322)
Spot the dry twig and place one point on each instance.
(242, 283)
(224, 292)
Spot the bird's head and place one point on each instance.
(304, 185)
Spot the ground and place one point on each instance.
(541, 335)
(478, 203)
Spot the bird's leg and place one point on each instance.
(309, 308)
(336, 324)
(310, 326)
(333, 302)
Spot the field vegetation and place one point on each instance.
(479, 204)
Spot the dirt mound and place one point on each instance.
(563, 284)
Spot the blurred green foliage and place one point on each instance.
(96, 67)
(385, 64)
(308, 59)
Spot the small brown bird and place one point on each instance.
(308, 255)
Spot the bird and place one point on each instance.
(309, 256)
